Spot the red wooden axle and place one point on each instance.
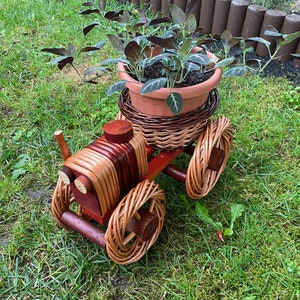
(175, 173)
(84, 227)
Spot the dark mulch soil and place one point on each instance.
(274, 69)
(286, 69)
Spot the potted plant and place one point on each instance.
(164, 63)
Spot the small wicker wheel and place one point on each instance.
(61, 200)
(122, 246)
(200, 178)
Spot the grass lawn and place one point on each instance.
(39, 260)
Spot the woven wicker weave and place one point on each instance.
(61, 200)
(121, 246)
(199, 178)
(169, 133)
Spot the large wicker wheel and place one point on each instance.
(61, 200)
(123, 246)
(213, 145)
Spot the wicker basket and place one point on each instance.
(169, 133)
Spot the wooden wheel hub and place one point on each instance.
(216, 159)
(144, 224)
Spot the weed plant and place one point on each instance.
(38, 260)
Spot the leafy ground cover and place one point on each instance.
(38, 260)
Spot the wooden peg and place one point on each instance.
(83, 184)
(62, 144)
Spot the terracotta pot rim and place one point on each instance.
(205, 86)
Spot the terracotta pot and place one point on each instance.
(154, 103)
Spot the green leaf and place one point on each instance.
(110, 61)
(226, 38)
(296, 55)
(236, 71)
(17, 173)
(236, 210)
(260, 40)
(177, 14)
(224, 62)
(288, 38)
(273, 33)
(203, 215)
(153, 85)
(186, 47)
(199, 58)
(190, 24)
(192, 67)
(154, 59)
(19, 168)
(116, 87)
(175, 102)
(228, 232)
(94, 70)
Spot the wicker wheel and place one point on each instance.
(123, 246)
(201, 176)
(61, 200)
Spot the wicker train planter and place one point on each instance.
(169, 133)
(111, 182)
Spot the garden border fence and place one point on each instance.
(241, 18)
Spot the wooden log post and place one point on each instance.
(220, 16)
(180, 3)
(253, 22)
(236, 17)
(193, 8)
(272, 18)
(291, 24)
(296, 61)
(164, 7)
(135, 2)
(206, 15)
(155, 4)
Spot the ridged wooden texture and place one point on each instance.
(124, 247)
(199, 178)
(101, 171)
